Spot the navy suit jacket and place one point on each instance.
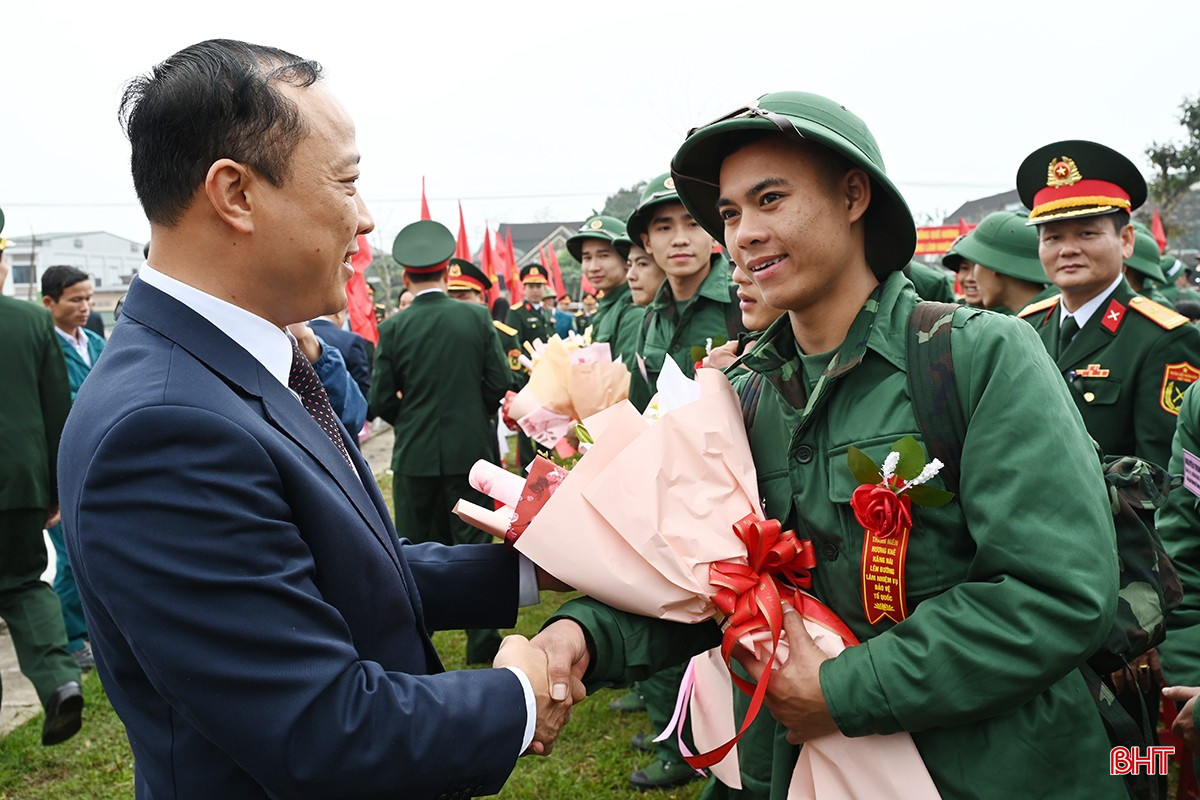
(353, 349)
(258, 626)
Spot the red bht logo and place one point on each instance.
(1133, 760)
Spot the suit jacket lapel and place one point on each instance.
(1094, 335)
(208, 344)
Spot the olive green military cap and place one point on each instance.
(623, 244)
(423, 247)
(1145, 254)
(1077, 178)
(658, 191)
(952, 260)
(891, 234)
(1003, 243)
(602, 227)
(462, 274)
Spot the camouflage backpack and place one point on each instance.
(1149, 586)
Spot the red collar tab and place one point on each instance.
(1113, 316)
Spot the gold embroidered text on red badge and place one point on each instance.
(1176, 379)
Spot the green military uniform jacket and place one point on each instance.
(36, 401)
(517, 375)
(618, 321)
(531, 323)
(931, 283)
(668, 331)
(1173, 293)
(444, 357)
(1126, 369)
(1178, 523)
(1010, 586)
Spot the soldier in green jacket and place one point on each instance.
(1126, 359)
(616, 320)
(36, 401)
(931, 283)
(531, 320)
(1008, 588)
(1007, 271)
(1175, 285)
(696, 302)
(439, 373)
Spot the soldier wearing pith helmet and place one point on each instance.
(594, 246)
(1126, 359)
(1007, 271)
(1143, 269)
(1007, 587)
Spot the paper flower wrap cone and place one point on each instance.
(567, 383)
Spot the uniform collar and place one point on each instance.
(1086, 311)
(615, 295)
(715, 285)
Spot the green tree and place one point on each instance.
(1177, 164)
(621, 203)
(387, 276)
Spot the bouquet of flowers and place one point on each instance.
(568, 381)
(661, 517)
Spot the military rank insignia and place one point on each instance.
(1113, 316)
(1176, 379)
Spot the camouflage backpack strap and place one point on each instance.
(932, 386)
(750, 394)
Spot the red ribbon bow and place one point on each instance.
(752, 595)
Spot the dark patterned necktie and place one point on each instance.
(303, 381)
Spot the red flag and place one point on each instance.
(462, 249)
(1160, 234)
(585, 286)
(555, 270)
(424, 202)
(515, 293)
(963, 227)
(488, 265)
(358, 299)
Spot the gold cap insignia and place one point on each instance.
(534, 271)
(1062, 172)
(455, 271)
(669, 183)
(596, 224)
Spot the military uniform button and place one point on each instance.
(829, 551)
(1089, 396)
(804, 454)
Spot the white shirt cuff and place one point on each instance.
(527, 587)
(530, 709)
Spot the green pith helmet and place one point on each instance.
(462, 274)
(891, 235)
(953, 259)
(1171, 267)
(601, 227)
(423, 247)
(1, 220)
(623, 244)
(1005, 244)
(658, 191)
(1075, 178)
(1145, 254)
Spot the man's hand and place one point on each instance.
(794, 694)
(1147, 673)
(53, 517)
(552, 714)
(721, 357)
(1184, 726)
(306, 340)
(567, 658)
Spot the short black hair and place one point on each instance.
(59, 278)
(209, 101)
(1119, 220)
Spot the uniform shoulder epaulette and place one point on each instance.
(1041, 305)
(1158, 314)
(500, 326)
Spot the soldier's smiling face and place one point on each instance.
(788, 222)
(676, 241)
(1082, 257)
(604, 268)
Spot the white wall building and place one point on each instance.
(110, 260)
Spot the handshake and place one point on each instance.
(554, 661)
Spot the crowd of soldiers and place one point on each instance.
(1093, 287)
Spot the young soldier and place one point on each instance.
(615, 320)
(645, 277)
(695, 303)
(964, 270)
(1143, 271)
(438, 372)
(1007, 589)
(1007, 272)
(1126, 359)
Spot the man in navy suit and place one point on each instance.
(257, 624)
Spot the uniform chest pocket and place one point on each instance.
(1097, 391)
(932, 563)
